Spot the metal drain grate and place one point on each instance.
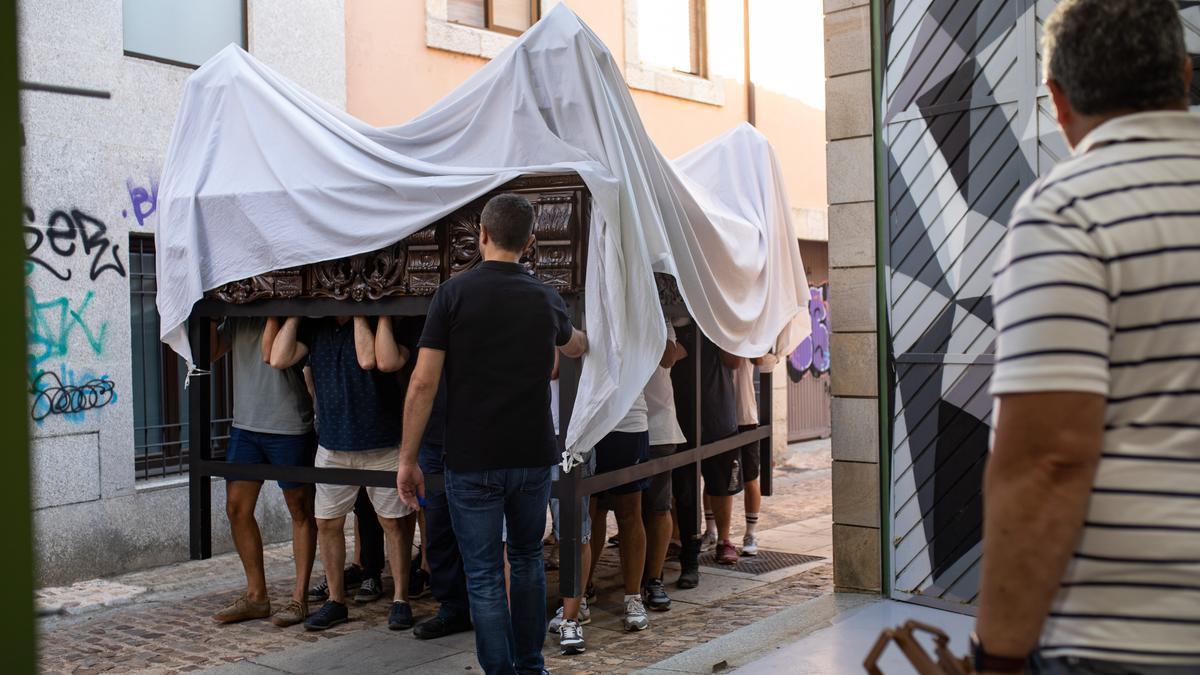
(765, 561)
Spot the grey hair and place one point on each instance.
(1115, 55)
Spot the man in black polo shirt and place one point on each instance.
(494, 330)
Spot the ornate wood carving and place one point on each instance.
(668, 289)
(418, 264)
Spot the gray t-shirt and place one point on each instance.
(265, 400)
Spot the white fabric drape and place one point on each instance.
(262, 175)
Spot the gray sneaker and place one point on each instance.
(584, 618)
(370, 591)
(635, 614)
(570, 638)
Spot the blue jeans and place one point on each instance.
(446, 578)
(505, 642)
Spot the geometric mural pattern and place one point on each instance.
(967, 127)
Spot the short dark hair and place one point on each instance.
(1113, 55)
(508, 219)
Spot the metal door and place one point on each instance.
(967, 127)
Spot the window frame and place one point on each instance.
(535, 11)
(693, 86)
(183, 64)
(170, 455)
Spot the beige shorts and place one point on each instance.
(335, 501)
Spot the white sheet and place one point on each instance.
(262, 175)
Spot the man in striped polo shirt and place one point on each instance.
(1091, 559)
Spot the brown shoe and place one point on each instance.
(292, 613)
(243, 609)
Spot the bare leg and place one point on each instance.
(753, 502)
(241, 496)
(658, 538)
(398, 534)
(599, 534)
(723, 511)
(507, 573)
(331, 535)
(571, 605)
(632, 540)
(357, 544)
(424, 541)
(304, 536)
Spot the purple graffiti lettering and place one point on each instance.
(812, 354)
(145, 202)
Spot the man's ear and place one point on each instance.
(1062, 107)
(484, 238)
(1188, 73)
(529, 243)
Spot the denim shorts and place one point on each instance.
(256, 447)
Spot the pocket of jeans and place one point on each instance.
(536, 480)
(472, 485)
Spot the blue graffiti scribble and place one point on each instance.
(50, 325)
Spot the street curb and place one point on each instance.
(749, 643)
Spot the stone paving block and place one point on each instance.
(360, 652)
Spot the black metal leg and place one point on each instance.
(570, 513)
(200, 440)
(570, 532)
(766, 415)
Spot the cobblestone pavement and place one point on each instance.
(166, 628)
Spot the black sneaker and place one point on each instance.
(370, 590)
(351, 577)
(418, 583)
(656, 596)
(689, 577)
(440, 626)
(400, 618)
(331, 614)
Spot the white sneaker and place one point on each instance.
(709, 541)
(749, 545)
(635, 614)
(570, 638)
(585, 617)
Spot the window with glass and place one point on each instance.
(671, 35)
(160, 403)
(182, 32)
(503, 16)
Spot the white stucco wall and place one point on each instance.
(81, 158)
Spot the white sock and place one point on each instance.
(710, 523)
(751, 523)
(635, 596)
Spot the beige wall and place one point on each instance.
(857, 550)
(391, 76)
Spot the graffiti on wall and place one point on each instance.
(142, 201)
(811, 357)
(69, 394)
(50, 326)
(68, 234)
(67, 320)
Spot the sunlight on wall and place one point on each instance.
(787, 48)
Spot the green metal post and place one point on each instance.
(883, 337)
